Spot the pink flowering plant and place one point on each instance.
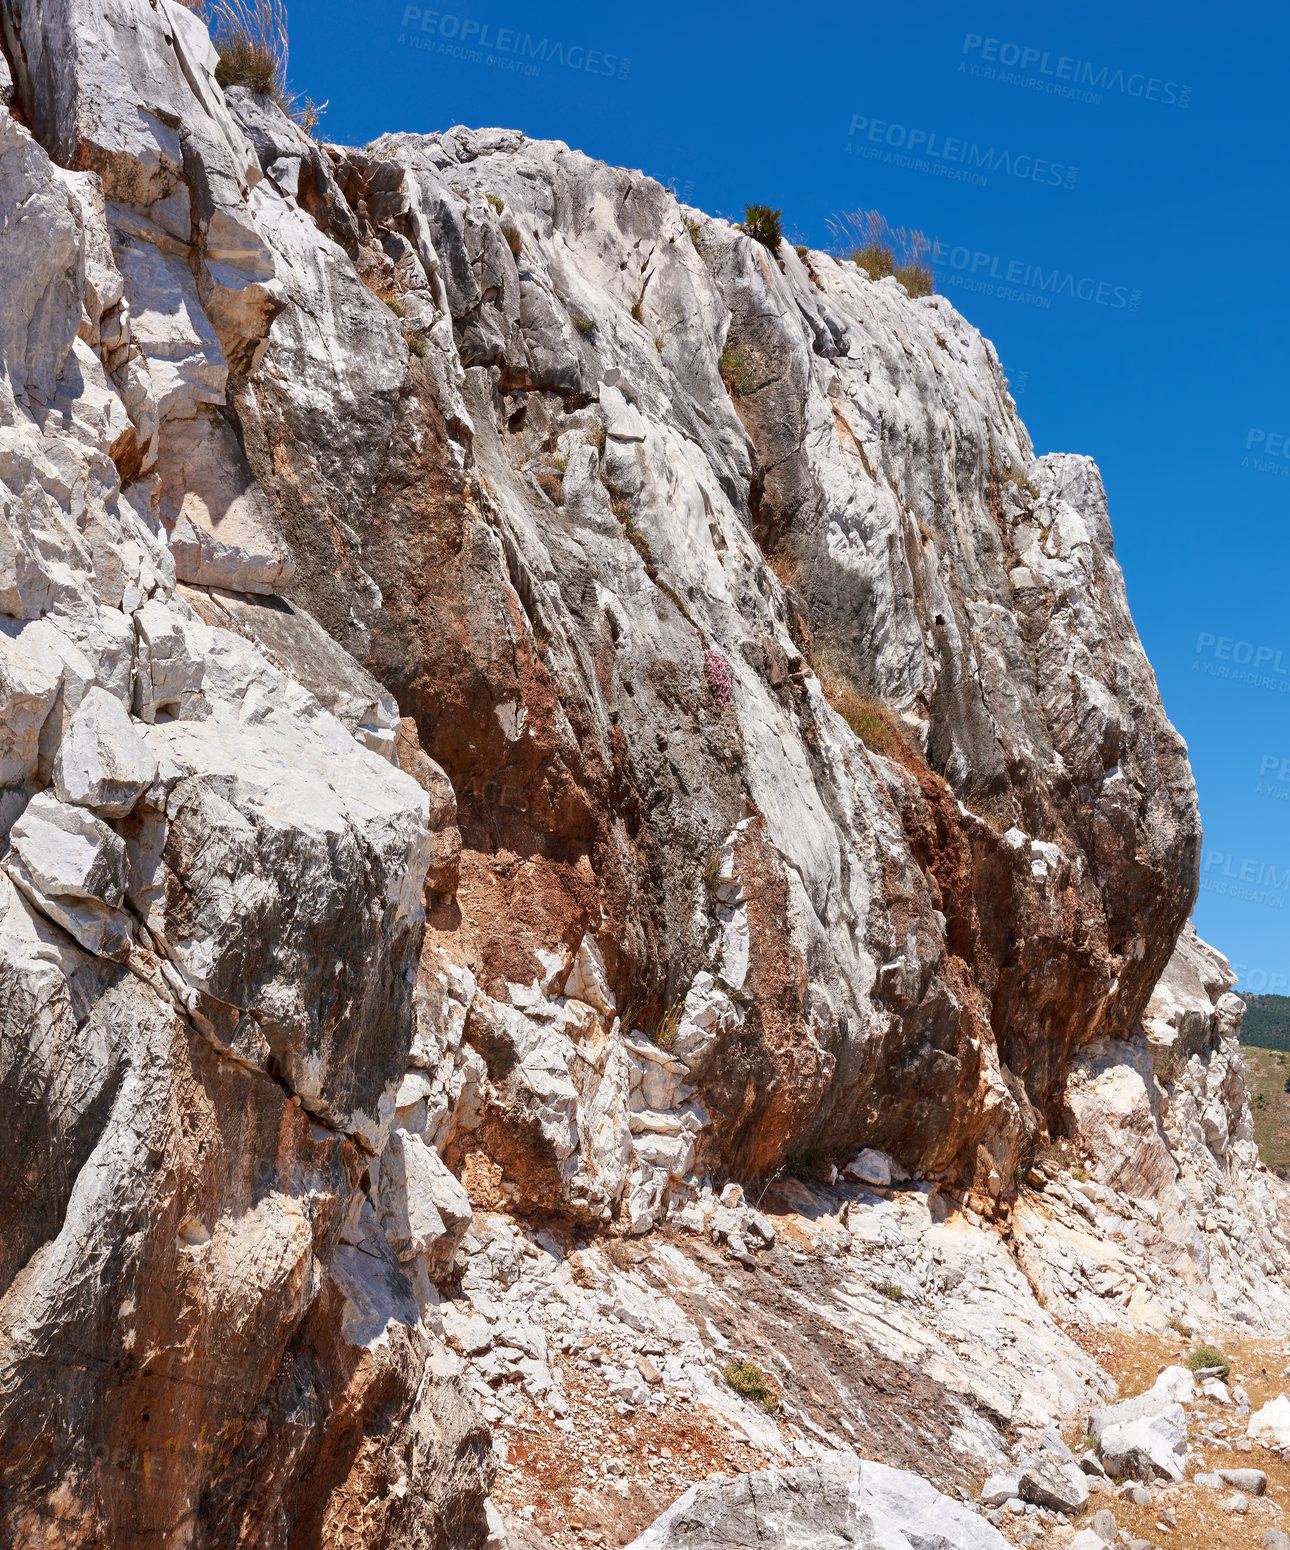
(717, 676)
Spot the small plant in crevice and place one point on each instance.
(801, 250)
(675, 598)
(991, 807)
(736, 371)
(892, 1291)
(586, 326)
(617, 501)
(716, 675)
(748, 1380)
(497, 202)
(712, 874)
(637, 315)
(803, 1163)
(416, 346)
(763, 225)
(702, 246)
(513, 239)
(1022, 482)
(664, 1035)
(396, 307)
(619, 1255)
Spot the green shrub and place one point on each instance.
(763, 225)
(417, 346)
(747, 1379)
(496, 201)
(891, 1291)
(586, 326)
(801, 250)
(1209, 1356)
(397, 307)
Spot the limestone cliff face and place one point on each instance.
(422, 570)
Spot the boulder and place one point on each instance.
(424, 1210)
(1147, 1447)
(29, 683)
(1252, 1481)
(73, 869)
(102, 761)
(871, 1167)
(1270, 1425)
(1054, 1482)
(998, 1489)
(835, 1500)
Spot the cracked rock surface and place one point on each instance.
(575, 806)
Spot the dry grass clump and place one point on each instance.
(864, 237)
(862, 711)
(250, 37)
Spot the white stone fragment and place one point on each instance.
(102, 761)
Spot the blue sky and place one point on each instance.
(1146, 170)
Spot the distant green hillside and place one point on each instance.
(1266, 1024)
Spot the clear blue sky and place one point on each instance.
(1151, 160)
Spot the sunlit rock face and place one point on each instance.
(514, 696)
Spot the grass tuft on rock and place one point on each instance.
(748, 1380)
(250, 37)
(865, 238)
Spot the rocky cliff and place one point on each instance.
(520, 704)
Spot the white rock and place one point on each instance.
(170, 668)
(998, 1488)
(588, 979)
(1147, 1446)
(73, 868)
(871, 1167)
(102, 761)
(29, 682)
(1270, 1425)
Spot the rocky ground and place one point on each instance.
(627, 1398)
